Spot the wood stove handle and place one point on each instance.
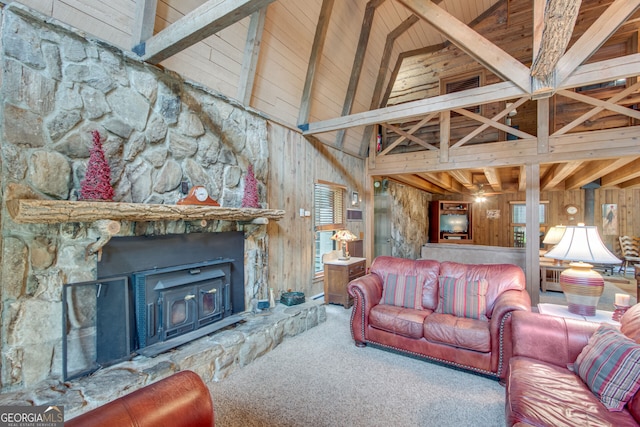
(212, 291)
(189, 297)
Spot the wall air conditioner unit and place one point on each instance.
(354, 215)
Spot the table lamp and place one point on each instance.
(582, 286)
(344, 236)
(553, 237)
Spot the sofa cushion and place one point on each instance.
(460, 332)
(398, 320)
(610, 366)
(501, 277)
(427, 271)
(463, 298)
(543, 394)
(403, 291)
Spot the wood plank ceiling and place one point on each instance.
(305, 63)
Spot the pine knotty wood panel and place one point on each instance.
(295, 165)
(497, 231)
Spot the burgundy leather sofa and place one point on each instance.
(181, 400)
(478, 345)
(540, 388)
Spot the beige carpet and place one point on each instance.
(319, 378)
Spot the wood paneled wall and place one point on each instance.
(496, 232)
(296, 164)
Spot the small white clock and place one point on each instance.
(198, 195)
(201, 193)
(571, 209)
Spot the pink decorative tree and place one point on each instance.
(250, 198)
(96, 184)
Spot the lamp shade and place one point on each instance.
(344, 236)
(554, 235)
(582, 243)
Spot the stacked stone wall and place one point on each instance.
(158, 130)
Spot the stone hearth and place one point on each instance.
(213, 358)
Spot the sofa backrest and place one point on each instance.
(427, 272)
(630, 323)
(500, 277)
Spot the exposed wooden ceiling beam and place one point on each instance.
(623, 174)
(144, 21)
(251, 53)
(633, 183)
(606, 24)
(444, 180)
(314, 59)
(202, 22)
(464, 177)
(493, 178)
(603, 71)
(538, 27)
(401, 112)
(557, 174)
(590, 171)
(474, 44)
(617, 68)
(419, 183)
(522, 178)
(358, 62)
(622, 142)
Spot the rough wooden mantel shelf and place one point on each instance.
(37, 211)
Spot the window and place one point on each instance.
(519, 222)
(329, 217)
(603, 85)
(460, 84)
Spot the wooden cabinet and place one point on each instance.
(450, 222)
(337, 275)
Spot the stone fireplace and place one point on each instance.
(160, 135)
(153, 293)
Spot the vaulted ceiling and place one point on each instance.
(335, 68)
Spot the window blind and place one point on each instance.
(329, 207)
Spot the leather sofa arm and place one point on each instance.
(507, 303)
(366, 292)
(550, 339)
(181, 400)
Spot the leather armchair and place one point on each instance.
(181, 400)
(540, 388)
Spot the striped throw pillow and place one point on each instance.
(462, 298)
(610, 365)
(402, 291)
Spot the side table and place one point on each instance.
(602, 316)
(337, 275)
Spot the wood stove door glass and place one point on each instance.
(179, 311)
